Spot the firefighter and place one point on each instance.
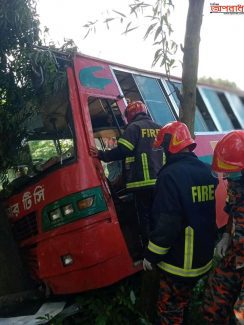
(141, 162)
(182, 241)
(225, 284)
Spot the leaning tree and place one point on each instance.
(159, 28)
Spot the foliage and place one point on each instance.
(116, 304)
(48, 87)
(112, 305)
(44, 149)
(194, 315)
(48, 63)
(219, 82)
(23, 84)
(19, 30)
(158, 27)
(29, 76)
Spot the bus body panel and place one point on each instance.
(94, 243)
(101, 275)
(94, 77)
(91, 241)
(99, 257)
(43, 252)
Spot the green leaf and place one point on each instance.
(119, 13)
(132, 297)
(128, 25)
(157, 56)
(131, 29)
(149, 30)
(158, 32)
(107, 20)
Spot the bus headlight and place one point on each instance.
(68, 209)
(55, 214)
(73, 207)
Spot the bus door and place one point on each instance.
(107, 125)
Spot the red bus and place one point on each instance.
(76, 230)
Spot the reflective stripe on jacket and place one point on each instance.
(143, 164)
(184, 233)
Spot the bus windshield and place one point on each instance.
(47, 143)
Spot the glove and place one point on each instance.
(93, 152)
(223, 244)
(147, 266)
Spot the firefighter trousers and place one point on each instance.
(224, 288)
(174, 297)
(143, 202)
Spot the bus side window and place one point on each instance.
(205, 113)
(216, 108)
(228, 110)
(128, 85)
(237, 105)
(155, 99)
(201, 113)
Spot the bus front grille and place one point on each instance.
(25, 227)
(30, 259)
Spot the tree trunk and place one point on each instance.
(190, 62)
(13, 277)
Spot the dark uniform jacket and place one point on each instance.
(235, 209)
(142, 163)
(182, 242)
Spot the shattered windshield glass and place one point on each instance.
(47, 142)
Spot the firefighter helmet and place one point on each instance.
(229, 153)
(178, 138)
(133, 109)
